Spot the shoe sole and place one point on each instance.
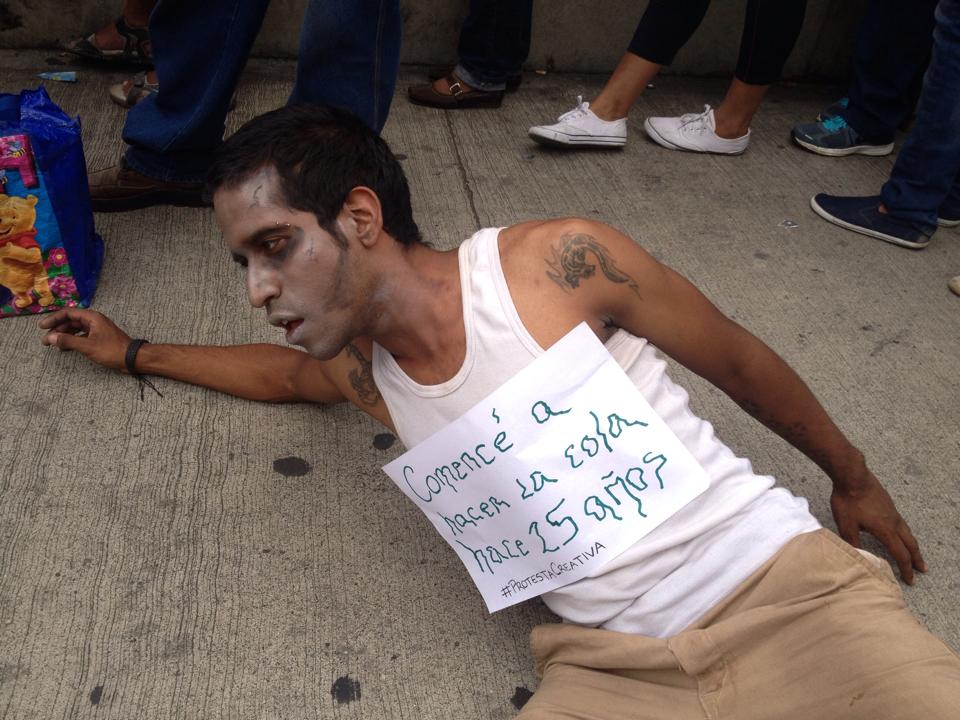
(148, 199)
(872, 150)
(661, 140)
(512, 85)
(947, 223)
(864, 231)
(552, 138)
(467, 101)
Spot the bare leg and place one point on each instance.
(629, 80)
(136, 13)
(735, 113)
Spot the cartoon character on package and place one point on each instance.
(24, 265)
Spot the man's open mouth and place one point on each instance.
(290, 327)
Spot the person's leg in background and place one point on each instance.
(664, 28)
(891, 53)
(923, 187)
(494, 43)
(770, 31)
(125, 40)
(924, 176)
(200, 50)
(349, 57)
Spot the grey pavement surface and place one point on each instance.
(155, 559)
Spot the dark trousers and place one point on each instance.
(494, 42)
(892, 52)
(925, 180)
(349, 56)
(770, 30)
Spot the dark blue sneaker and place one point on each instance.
(948, 218)
(834, 137)
(862, 215)
(834, 109)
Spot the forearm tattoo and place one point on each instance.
(795, 433)
(361, 378)
(572, 263)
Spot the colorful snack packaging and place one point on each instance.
(50, 254)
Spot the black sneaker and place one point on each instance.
(862, 215)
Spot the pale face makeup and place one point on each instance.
(295, 270)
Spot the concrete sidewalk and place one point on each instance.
(167, 558)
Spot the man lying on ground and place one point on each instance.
(740, 604)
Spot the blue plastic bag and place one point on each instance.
(50, 254)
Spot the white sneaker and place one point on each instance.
(695, 132)
(582, 128)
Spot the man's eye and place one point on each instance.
(271, 244)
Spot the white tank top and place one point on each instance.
(683, 567)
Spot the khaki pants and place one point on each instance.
(820, 632)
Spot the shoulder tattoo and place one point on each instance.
(578, 258)
(361, 377)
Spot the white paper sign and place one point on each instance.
(551, 476)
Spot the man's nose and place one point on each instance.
(261, 287)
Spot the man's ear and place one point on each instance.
(361, 215)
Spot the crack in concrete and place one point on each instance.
(463, 171)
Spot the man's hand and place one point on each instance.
(865, 505)
(88, 332)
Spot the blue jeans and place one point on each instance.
(494, 42)
(349, 57)
(926, 176)
(892, 51)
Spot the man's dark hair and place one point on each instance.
(320, 153)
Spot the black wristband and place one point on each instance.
(130, 360)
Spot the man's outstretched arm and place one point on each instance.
(627, 288)
(263, 372)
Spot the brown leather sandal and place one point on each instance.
(461, 96)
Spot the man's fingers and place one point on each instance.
(69, 326)
(916, 558)
(74, 315)
(849, 530)
(53, 319)
(66, 341)
(900, 554)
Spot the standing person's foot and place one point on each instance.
(947, 218)
(834, 109)
(863, 215)
(581, 127)
(115, 43)
(451, 93)
(696, 132)
(834, 137)
(118, 188)
(514, 80)
(132, 90)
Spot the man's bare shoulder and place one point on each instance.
(532, 236)
(560, 250)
